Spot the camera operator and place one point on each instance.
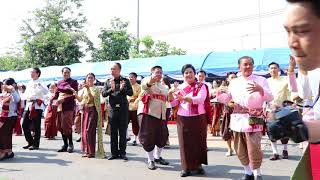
(302, 24)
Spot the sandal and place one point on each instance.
(84, 155)
(90, 156)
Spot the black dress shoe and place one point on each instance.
(161, 161)
(112, 157)
(285, 154)
(27, 146)
(184, 173)
(33, 148)
(63, 149)
(134, 143)
(70, 148)
(124, 157)
(247, 177)
(200, 171)
(10, 155)
(151, 165)
(274, 157)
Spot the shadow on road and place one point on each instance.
(291, 157)
(225, 171)
(37, 157)
(9, 170)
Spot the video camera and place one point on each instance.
(287, 123)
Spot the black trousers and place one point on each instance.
(26, 126)
(118, 119)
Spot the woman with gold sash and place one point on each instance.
(89, 96)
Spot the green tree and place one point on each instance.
(116, 42)
(155, 49)
(148, 50)
(177, 51)
(54, 33)
(13, 62)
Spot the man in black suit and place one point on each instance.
(117, 88)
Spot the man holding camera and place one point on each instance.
(247, 94)
(303, 26)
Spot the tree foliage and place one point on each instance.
(54, 33)
(116, 42)
(13, 62)
(155, 49)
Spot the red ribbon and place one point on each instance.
(195, 88)
(33, 113)
(146, 98)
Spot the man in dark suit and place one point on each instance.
(117, 88)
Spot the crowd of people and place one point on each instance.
(237, 108)
(149, 106)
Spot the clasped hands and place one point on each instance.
(113, 85)
(180, 97)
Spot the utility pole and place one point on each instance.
(260, 35)
(138, 24)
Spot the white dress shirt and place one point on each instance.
(308, 88)
(35, 90)
(238, 93)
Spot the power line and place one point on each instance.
(221, 22)
(207, 39)
(247, 36)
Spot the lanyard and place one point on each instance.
(317, 98)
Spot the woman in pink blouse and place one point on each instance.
(191, 122)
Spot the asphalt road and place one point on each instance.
(47, 164)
